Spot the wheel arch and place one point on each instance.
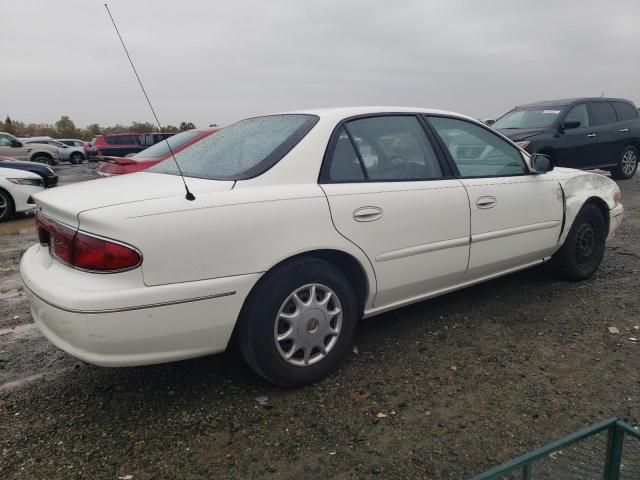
(40, 154)
(602, 206)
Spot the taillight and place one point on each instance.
(84, 251)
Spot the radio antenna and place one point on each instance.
(189, 196)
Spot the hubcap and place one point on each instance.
(586, 242)
(308, 325)
(629, 161)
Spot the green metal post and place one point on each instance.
(614, 453)
(526, 471)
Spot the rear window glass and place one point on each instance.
(625, 111)
(161, 149)
(243, 150)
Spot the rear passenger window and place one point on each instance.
(602, 113)
(579, 113)
(625, 111)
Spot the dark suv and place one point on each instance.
(581, 133)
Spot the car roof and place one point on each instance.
(568, 101)
(346, 112)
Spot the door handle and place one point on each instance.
(623, 130)
(367, 214)
(486, 202)
(591, 135)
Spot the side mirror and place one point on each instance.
(15, 143)
(489, 121)
(541, 163)
(571, 124)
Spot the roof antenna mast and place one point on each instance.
(189, 196)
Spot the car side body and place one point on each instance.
(396, 239)
(11, 147)
(45, 172)
(585, 133)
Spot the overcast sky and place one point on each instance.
(219, 61)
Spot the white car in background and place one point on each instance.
(73, 154)
(16, 188)
(302, 224)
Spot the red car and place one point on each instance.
(110, 166)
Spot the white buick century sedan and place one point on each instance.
(302, 224)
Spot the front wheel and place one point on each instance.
(76, 158)
(298, 322)
(6, 206)
(583, 249)
(627, 164)
(44, 159)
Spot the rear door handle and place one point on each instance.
(486, 202)
(591, 135)
(624, 130)
(367, 214)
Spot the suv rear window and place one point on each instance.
(123, 139)
(602, 113)
(625, 111)
(243, 150)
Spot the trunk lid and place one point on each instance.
(67, 202)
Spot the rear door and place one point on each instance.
(603, 130)
(394, 197)
(628, 127)
(515, 216)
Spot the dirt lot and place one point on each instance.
(466, 381)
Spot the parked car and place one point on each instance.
(292, 237)
(582, 133)
(110, 166)
(10, 146)
(45, 172)
(122, 144)
(74, 142)
(16, 188)
(66, 153)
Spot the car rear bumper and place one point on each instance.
(111, 323)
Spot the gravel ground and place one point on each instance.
(443, 389)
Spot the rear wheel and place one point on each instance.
(76, 158)
(298, 322)
(44, 159)
(627, 164)
(583, 249)
(6, 206)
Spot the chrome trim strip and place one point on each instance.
(420, 249)
(507, 232)
(129, 309)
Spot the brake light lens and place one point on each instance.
(87, 252)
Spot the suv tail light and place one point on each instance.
(84, 251)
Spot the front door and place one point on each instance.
(395, 199)
(516, 217)
(574, 146)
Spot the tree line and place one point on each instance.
(66, 128)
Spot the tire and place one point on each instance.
(627, 164)
(76, 158)
(44, 159)
(6, 206)
(583, 249)
(271, 310)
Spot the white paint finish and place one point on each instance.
(406, 243)
(19, 193)
(523, 204)
(232, 232)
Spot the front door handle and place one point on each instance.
(591, 135)
(367, 214)
(486, 202)
(623, 130)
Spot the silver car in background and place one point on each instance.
(67, 153)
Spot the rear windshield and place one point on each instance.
(243, 150)
(528, 118)
(161, 149)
